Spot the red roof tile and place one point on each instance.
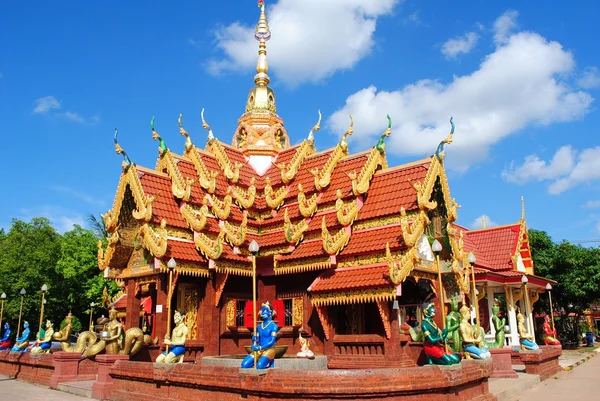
(164, 206)
(374, 240)
(306, 249)
(497, 244)
(183, 250)
(351, 278)
(469, 246)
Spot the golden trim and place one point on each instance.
(230, 312)
(354, 296)
(236, 235)
(207, 179)
(196, 219)
(412, 232)
(273, 198)
(180, 186)
(186, 269)
(104, 256)
(232, 172)
(379, 222)
(323, 176)
(334, 244)
(462, 274)
(231, 267)
(520, 241)
(297, 311)
(299, 266)
(181, 233)
(245, 198)
(289, 170)
(346, 212)
(154, 239)
(360, 184)
(210, 248)
(221, 208)
(400, 269)
(307, 206)
(293, 233)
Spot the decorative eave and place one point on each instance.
(400, 269)
(233, 267)
(245, 198)
(221, 208)
(300, 266)
(231, 171)
(105, 256)
(196, 219)
(236, 235)
(294, 232)
(210, 248)
(184, 269)
(460, 262)
(289, 170)
(346, 297)
(521, 242)
(307, 206)
(347, 211)
(206, 178)
(154, 239)
(333, 244)
(180, 186)
(274, 198)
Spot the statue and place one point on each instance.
(499, 324)
(5, 342)
(434, 339)
(21, 343)
(306, 352)
(549, 333)
(472, 346)
(527, 341)
(452, 324)
(263, 342)
(42, 346)
(176, 342)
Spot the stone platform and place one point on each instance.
(286, 363)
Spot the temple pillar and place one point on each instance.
(101, 388)
(490, 304)
(132, 318)
(512, 318)
(210, 320)
(161, 307)
(153, 297)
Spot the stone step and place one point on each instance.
(81, 388)
(507, 389)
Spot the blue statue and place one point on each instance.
(21, 343)
(263, 342)
(5, 341)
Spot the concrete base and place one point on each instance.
(501, 363)
(80, 388)
(286, 363)
(507, 389)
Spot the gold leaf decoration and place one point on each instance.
(347, 297)
(236, 235)
(425, 189)
(299, 266)
(460, 263)
(210, 248)
(346, 212)
(196, 219)
(154, 239)
(307, 207)
(273, 198)
(289, 170)
(400, 269)
(110, 219)
(181, 187)
(412, 232)
(293, 233)
(334, 244)
(360, 183)
(232, 172)
(230, 312)
(104, 256)
(143, 202)
(207, 179)
(245, 198)
(221, 209)
(323, 176)
(297, 311)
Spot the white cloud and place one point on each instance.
(45, 104)
(311, 39)
(590, 78)
(459, 45)
(535, 169)
(62, 219)
(504, 26)
(478, 222)
(78, 194)
(516, 86)
(568, 168)
(592, 204)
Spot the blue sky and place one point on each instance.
(520, 79)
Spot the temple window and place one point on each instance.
(240, 304)
(288, 319)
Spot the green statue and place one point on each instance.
(452, 324)
(435, 339)
(498, 326)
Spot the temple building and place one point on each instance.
(344, 239)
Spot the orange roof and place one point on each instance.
(164, 206)
(351, 278)
(183, 250)
(498, 244)
(374, 240)
(469, 246)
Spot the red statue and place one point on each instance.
(549, 333)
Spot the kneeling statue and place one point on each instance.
(472, 345)
(263, 342)
(5, 342)
(435, 339)
(527, 341)
(42, 345)
(549, 334)
(175, 343)
(22, 342)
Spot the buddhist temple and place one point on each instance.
(344, 239)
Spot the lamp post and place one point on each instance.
(472, 259)
(23, 292)
(171, 264)
(436, 247)
(3, 298)
(92, 316)
(254, 248)
(525, 280)
(44, 289)
(549, 289)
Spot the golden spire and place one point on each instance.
(483, 222)
(262, 34)
(522, 208)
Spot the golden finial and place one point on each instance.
(262, 34)
(206, 126)
(349, 131)
(483, 222)
(311, 136)
(522, 208)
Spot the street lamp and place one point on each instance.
(44, 289)
(525, 280)
(171, 264)
(22, 293)
(91, 316)
(474, 301)
(3, 298)
(254, 248)
(549, 289)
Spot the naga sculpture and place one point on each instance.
(527, 341)
(472, 343)
(435, 339)
(263, 342)
(452, 324)
(175, 343)
(439, 153)
(549, 333)
(22, 342)
(499, 324)
(305, 346)
(5, 342)
(42, 345)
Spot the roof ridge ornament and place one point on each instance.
(126, 160)
(262, 34)
(205, 125)
(311, 135)
(183, 132)
(349, 131)
(439, 153)
(162, 146)
(381, 144)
